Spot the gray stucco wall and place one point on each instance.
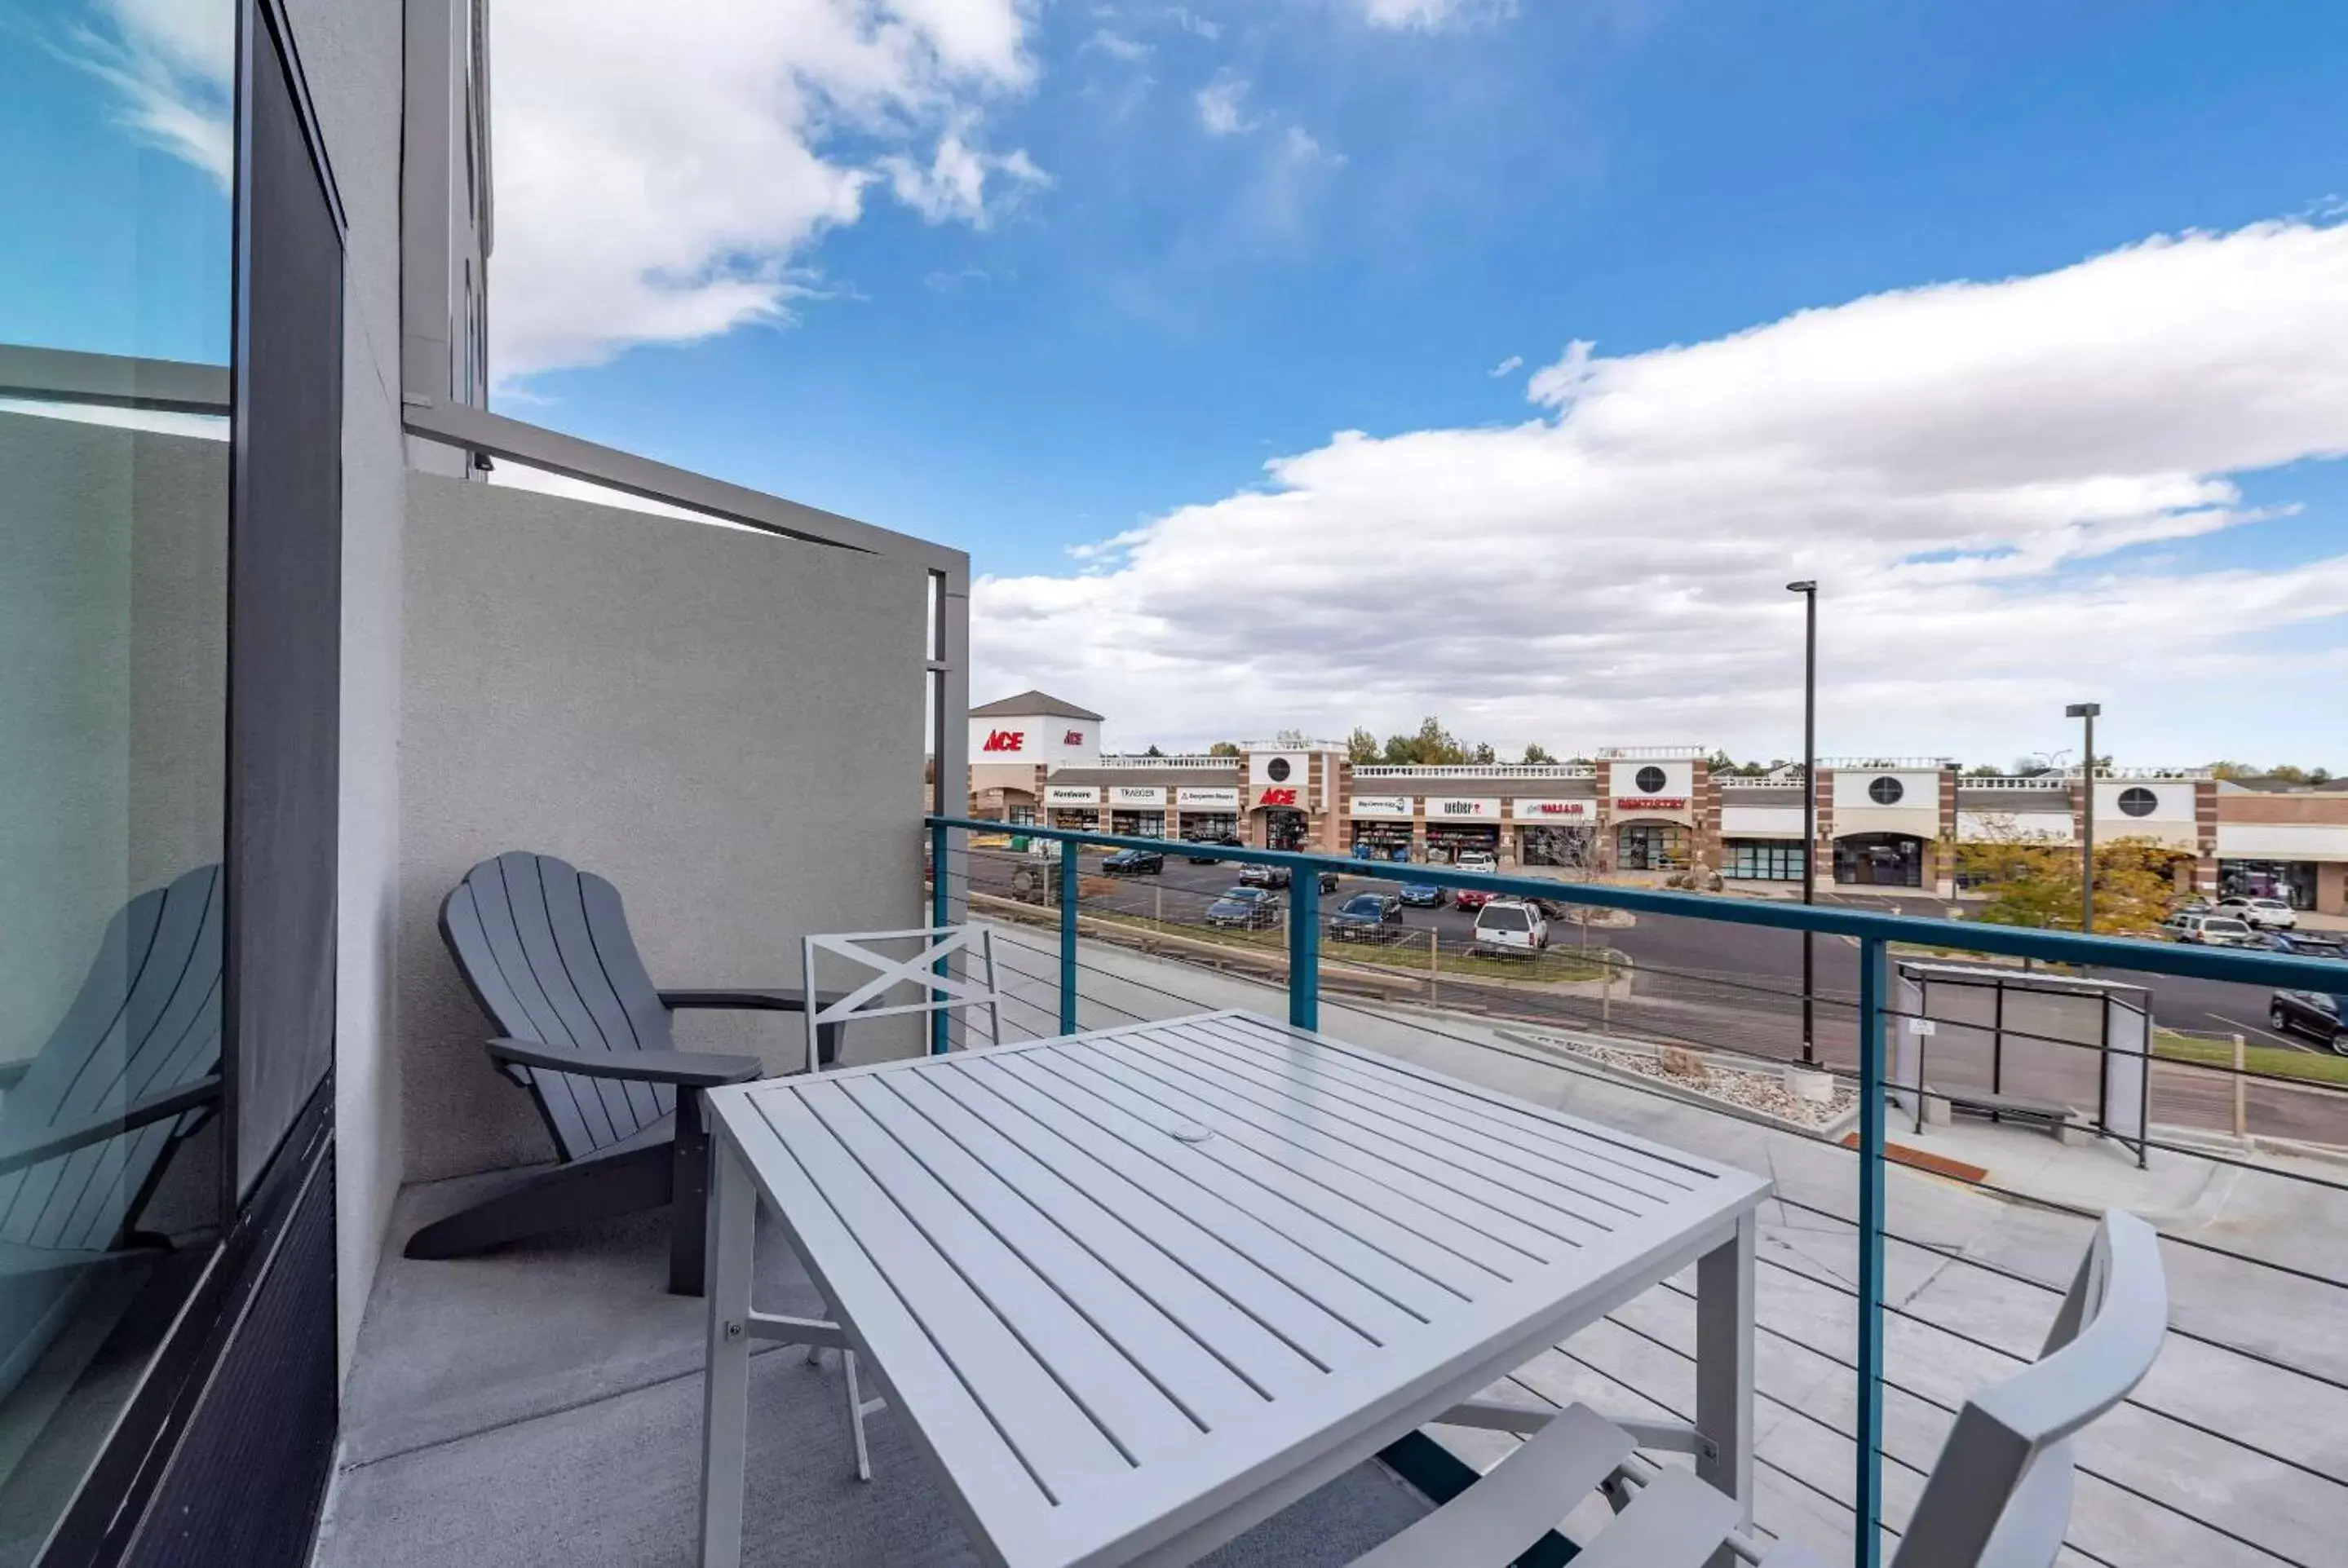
(351, 53)
(726, 725)
(113, 667)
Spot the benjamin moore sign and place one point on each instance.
(1209, 798)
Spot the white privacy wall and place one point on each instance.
(726, 724)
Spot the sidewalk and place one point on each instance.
(1946, 1310)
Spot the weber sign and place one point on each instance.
(1463, 808)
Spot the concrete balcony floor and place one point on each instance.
(542, 1405)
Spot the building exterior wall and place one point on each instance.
(669, 705)
(352, 54)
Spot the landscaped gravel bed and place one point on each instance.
(1753, 1089)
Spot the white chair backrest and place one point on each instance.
(1999, 1496)
(940, 993)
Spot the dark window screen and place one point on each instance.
(285, 619)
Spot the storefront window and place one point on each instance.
(115, 327)
(1572, 848)
(1447, 841)
(1285, 829)
(2293, 881)
(1761, 859)
(1879, 860)
(1651, 847)
(1212, 826)
(1380, 840)
(1138, 823)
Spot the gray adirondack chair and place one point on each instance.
(1998, 1496)
(545, 949)
(89, 1122)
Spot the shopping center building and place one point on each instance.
(1893, 823)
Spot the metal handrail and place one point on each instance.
(1875, 934)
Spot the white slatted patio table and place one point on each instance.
(1132, 1291)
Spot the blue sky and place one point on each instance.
(1314, 362)
(1149, 329)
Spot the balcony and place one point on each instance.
(1931, 1249)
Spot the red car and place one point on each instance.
(1471, 898)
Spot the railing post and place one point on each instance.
(1874, 992)
(1304, 948)
(1068, 862)
(940, 913)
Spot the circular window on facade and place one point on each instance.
(1650, 781)
(1277, 770)
(1886, 791)
(2139, 801)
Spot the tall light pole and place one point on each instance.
(1809, 592)
(2088, 711)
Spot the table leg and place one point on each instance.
(725, 1408)
(1724, 1366)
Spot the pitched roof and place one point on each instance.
(1033, 704)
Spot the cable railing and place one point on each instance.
(1089, 959)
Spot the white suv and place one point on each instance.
(1510, 927)
(2212, 930)
(2267, 914)
(1476, 860)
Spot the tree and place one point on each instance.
(2034, 883)
(1982, 771)
(1361, 746)
(1536, 754)
(1224, 749)
(1290, 739)
(1483, 754)
(1433, 745)
(1152, 750)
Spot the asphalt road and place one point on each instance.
(1739, 987)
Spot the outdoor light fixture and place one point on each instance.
(1808, 590)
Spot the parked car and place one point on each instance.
(1422, 896)
(2313, 1014)
(1367, 917)
(1264, 876)
(1510, 928)
(2209, 930)
(1135, 862)
(1477, 860)
(1249, 909)
(1204, 854)
(2304, 944)
(1473, 897)
(2267, 914)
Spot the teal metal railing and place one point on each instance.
(1875, 934)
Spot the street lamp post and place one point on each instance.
(2088, 711)
(1809, 592)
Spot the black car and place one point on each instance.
(1202, 855)
(2313, 1014)
(1366, 917)
(1423, 895)
(1246, 908)
(1135, 862)
(1264, 876)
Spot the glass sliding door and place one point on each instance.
(116, 321)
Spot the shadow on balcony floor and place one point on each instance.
(543, 1405)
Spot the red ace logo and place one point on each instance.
(1278, 797)
(1072, 738)
(1005, 740)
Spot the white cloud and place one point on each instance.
(1435, 16)
(1508, 366)
(955, 185)
(661, 171)
(1192, 23)
(1220, 108)
(1117, 47)
(171, 65)
(1958, 465)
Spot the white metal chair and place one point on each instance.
(1998, 1496)
(940, 991)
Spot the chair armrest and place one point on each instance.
(755, 999)
(686, 1069)
(54, 1142)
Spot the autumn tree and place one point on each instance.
(1536, 754)
(2035, 883)
(1361, 746)
(1224, 749)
